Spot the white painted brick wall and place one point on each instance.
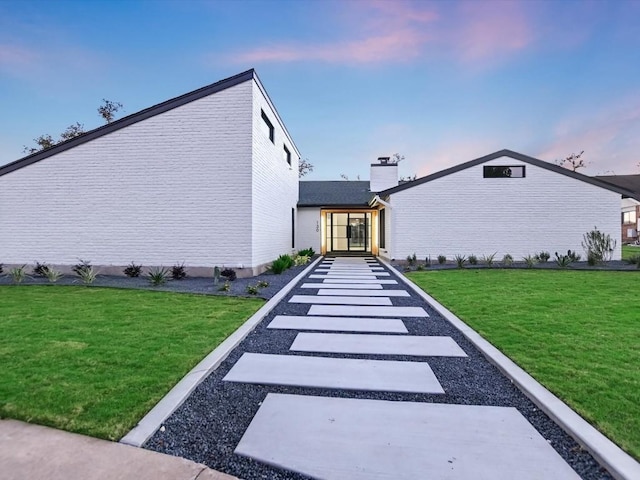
(174, 187)
(275, 185)
(308, 232)
(464, 213)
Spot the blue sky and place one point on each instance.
(439, 82)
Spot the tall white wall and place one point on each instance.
(174, 187)
(383, 176)
(274, 185)
(464, 213)
(308, 230)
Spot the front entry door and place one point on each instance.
(349, 232)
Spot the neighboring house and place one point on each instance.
(502, 203)
(208, 178)
(630, 206)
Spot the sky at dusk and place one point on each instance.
(440, 82)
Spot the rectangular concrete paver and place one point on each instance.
(338, 324)
(365, 293)
(367, 311)
(340, 373)
(356, 286)
(355, 272)
(377, 344)
(313, 299)
(360, 439)
(359, 280)
(344, 277)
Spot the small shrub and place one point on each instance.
(420, 268)
(412, 260)
(599, 247)
(473, 260)
(178, 271)
(53, 275)
(133, 270)
(427, 262)
(307, 252)
(40, 270)
(442, 259)
(263, 284)
(573, 256)
(563, 261)
(87, 275)
(300, 260)
(542, 257)
(488, 260)
(287, 260)
(460, 260)
(229, 274)
(252, 289)
(18, 274)
(226, 287)
(216, 275)
(158, 276)
(507, 260)
(278, 266)
(81, 266)
(530, 261)
(634, 260)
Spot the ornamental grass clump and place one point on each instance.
(279, 265)
(158, 276)
(529, 261)
(599, 247)
(53, 275)
(507, 260)
(460, 260)
(40, 270)
(87, 275)
(488, 260)
(18, 274)
(307, 252)
(542, 257)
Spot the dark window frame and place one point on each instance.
(502, 171)
(382, 228)
(287, 154)
(293, 227)
(269, 125)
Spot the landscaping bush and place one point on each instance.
(178, 271)
(18, 274)
(252, 289)
(489, 259)
(229, 274)
(158, 276)
(563, 261)
(427, 262)
(263, 284)
(599, 247)
(300, 260)
(81, 266)
(307, 252)
(279, 265)
(87, 275)
(226, 287)
(288, 261)
(40, 270)
(473, 260)
(52, 275)
(507, 260)
(412, 260)
(133, 270)
(530, 261)
(460, 260)
(542, 257)
(633, 260)
(442, 259)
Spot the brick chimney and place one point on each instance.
(384, 174)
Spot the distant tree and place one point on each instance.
(408, 178)
(397, 158)
(72, 131)
(573, 162)
(304, 167)
(108, 110)
(43, 142)
(345, 177)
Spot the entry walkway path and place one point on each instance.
(353, 377)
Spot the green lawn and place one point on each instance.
(576, 332)
(95, 360)
(629, 251)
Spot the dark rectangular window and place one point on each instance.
(504, 171)
(267, 125)
(287, 155)
(293, 228)
(382, 229)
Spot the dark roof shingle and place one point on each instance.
(338, 193)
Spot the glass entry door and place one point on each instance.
(349, 232)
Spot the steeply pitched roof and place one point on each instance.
(340, 193)
(517, 156)
(143, 115)
(628, 182)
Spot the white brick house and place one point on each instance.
(208, 178)
(502, 203)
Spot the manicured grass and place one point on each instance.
(629, 251)
(576, 332)
(95, 360)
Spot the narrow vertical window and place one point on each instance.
(293, 228)
(286, 154)
(382, 229)
(267, 125)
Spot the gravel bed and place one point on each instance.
(198, 285)
(210, 423)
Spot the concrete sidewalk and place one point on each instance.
(31, 451)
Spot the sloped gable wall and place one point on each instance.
(464, 213)
(175, 187)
